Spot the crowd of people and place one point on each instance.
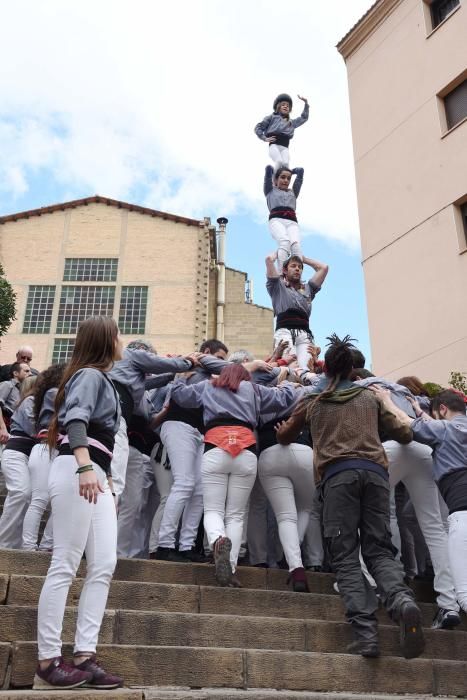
(287, 461)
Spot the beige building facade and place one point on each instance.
(159, 275)
(407, 74)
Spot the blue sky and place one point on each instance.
(155, 104)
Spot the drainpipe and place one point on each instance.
(222, 221)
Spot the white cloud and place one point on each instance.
(160, 99)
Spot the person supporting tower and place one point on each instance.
(291, 301)
(278, 128)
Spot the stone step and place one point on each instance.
(255, 694)
(252, 668)
(76, 694)
(227, 631)
(167, 597)
(37, 563)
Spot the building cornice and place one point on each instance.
(370, 21)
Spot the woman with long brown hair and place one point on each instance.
(87, 415)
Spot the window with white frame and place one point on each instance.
(133, 307)
(78, 303)
(39, 308)
(63, 349)
(90, 269)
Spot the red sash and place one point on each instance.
(231, 438)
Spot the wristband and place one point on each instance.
(84, 468)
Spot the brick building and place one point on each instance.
(161, 276)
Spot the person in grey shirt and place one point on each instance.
(9, 396)
(291, 301)
(278, 128)
(282, 202)
(446, 433)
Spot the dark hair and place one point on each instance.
(48, 379)
(16, 367)
(413, 384)
(292, 258)
(360, 373)
(94, 347)
(449, 398)
(280, 170)
(338, 363)
(358, 358)
(213, 345)
(230, 377)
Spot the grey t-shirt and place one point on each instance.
(9, 396)
(284, 298)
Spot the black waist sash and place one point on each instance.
(293, 318)
(281, 140)
(104, 436)
(283, 213)
(20, 442)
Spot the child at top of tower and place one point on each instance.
(278, 128)
(281, 202)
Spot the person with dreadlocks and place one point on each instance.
(351, 469)
(291, 300)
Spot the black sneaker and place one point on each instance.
(315, 569)
(60, 675)
(446, 619)
(100, 679)
(161, 553)
(412, 641)
(365, 648)
(194, 557)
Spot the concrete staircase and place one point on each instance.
(172, 633)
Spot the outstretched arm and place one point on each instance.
(321, 271)
(298, 182)
(268, 183)
(304, 115)
(271, 271)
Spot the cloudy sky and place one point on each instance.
(155, 103)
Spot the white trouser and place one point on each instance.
(279, 155)
(47, 542)
(120, 459)
(313, 552)
(185, 447)
(39, 464)
(412, 464)
(286, 475)
(164, 481)
(286, 233)
(457, 540)
(299, 348)
(79, 526)
(129, 505)
(16, 473)
(227, 484)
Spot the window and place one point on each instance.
(463, 208)
(78, 303)
(63, 347)
(455, 104)
(90, 269)
(133, 306)
(39, 307)
(440, 9)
